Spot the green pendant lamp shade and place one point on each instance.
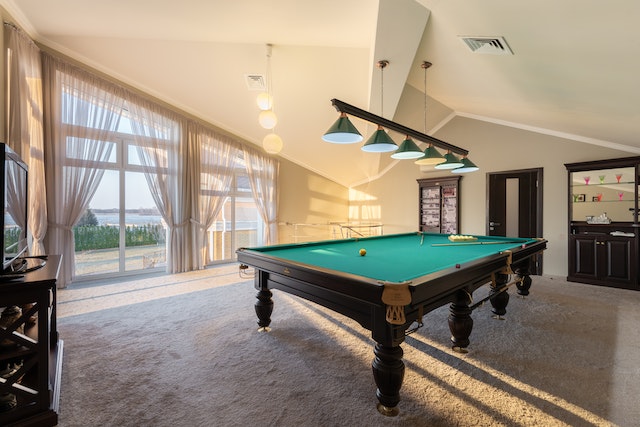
(451, 162)
(342, 132)
(379, 142)
(431, 156)
(468, 166)
(407, 150)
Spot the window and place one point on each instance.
(120, 164)
(238, 223)
(127, 233)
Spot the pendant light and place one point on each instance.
(468, 166)
(272, 143)
(264, 101)
(451, 162)
(431, 155)
(407, 150)
(380, 141)
(267, 118)
(342, 132)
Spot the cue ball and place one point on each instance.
(363, 252)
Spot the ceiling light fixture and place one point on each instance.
(431, 155)
(264, 101)
(451, 162)
(380, 141)
(343, 132)
(407, 150)
(354, 111)
(468, 166)
(272, 143)
(267, 118)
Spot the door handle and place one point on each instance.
(492, 224)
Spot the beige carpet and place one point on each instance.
(184, 350)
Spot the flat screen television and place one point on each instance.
(14, 173)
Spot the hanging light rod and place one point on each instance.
(343, 107)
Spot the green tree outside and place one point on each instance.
(88, 218)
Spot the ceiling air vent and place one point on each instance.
(487, 45)
(256, 82)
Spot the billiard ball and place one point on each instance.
(363, 252)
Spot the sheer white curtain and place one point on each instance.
(188, 171)
(159, 137)
(80, 110)
(212, 157)
(24, 130)
(263, 178)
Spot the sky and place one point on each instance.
(137, 194)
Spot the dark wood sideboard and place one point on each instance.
(30, 349)
(604, 227)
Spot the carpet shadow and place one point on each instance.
(197, 359)
(539, 391)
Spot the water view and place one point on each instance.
(112, 217)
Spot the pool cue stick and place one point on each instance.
(473, 243)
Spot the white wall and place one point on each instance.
(307, 204)
(493, 148)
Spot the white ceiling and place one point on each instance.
(574, 72)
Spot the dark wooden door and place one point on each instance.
(514, 205)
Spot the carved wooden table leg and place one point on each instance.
(501, 299)
(388, 373)
(264, 305)
(460, 321)
(524, 285)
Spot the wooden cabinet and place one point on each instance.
(30, 351)
(439, 202)
(600, 258)
(603, 222)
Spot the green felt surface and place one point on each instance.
(392, 258)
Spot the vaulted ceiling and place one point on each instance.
(573, 72)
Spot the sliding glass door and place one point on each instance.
(237, 225)
(122, 230)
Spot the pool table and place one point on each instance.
(388, 283)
